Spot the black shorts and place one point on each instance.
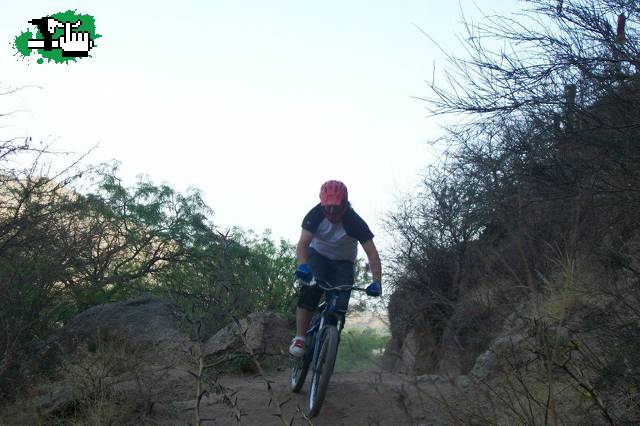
(332, 272)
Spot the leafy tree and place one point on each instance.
(234, 273)
(37, 247)
(130, 235)
(80, 237)
(360, 349)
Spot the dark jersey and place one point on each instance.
(338, 241)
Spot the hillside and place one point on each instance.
(517, 260)
(368, 319)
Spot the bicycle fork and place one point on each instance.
(318, 338)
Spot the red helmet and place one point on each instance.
(333, 193)
(334, 198)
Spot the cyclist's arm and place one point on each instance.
(302, 252)
(374, 260)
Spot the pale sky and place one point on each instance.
(256, 103)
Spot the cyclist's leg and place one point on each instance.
(307, 302)
(342, 273)
(320, 265)
(310, 296)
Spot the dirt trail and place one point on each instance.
(355, 398)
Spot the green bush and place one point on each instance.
(360, 349)
(80, 237)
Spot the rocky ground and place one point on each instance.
(356, 398)
(145, 370)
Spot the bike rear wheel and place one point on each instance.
(323, 369)
(299, 369)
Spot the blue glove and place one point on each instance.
(374, 289)
(304, 273)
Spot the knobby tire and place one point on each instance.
(324, 369)
(299, 371)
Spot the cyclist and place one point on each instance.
(327, 249)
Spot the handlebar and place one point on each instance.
(344, 287)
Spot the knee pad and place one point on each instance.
(309, 297)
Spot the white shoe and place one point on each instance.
(297, 347)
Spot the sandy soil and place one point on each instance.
(355, 398)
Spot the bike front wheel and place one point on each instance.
(323, 369)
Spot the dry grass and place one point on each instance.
(557, 374)
(105, 381)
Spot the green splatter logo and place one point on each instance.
(59, 38)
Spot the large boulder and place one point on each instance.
(263, 335)
(148, 323)
(134, 352)
(121, 351)
(414, 354)
(145, 319)
(392, 356)
(505, 352)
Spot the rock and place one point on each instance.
(409, 353)
(65, 395)
(392, 358)
(266, 333)
(463, 382)
(145, 319)
(101, 343)
(147, 323)
(416, 354)
(505, 352)
(434, 378)
(57, 399)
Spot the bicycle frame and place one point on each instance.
(318, 334)
(327, 312)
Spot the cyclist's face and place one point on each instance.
(334, 212)
(333, 209)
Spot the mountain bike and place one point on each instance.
(322, 340)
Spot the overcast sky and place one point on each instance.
(255, 103)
